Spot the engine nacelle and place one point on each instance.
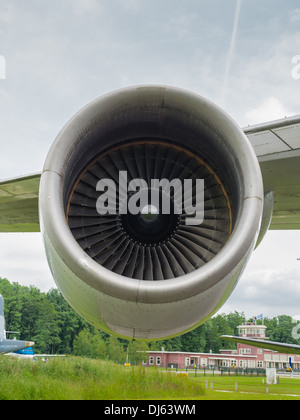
(136, 267)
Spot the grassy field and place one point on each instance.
(86, 379)
(249, 388)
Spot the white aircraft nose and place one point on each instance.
(29, 344)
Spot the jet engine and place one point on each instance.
(151, 201)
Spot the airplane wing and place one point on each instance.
(264, 344)
(276, 144)
(19, 204)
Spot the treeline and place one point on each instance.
(48, 320)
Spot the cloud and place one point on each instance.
(23, 260)
(295, 16)
(271, 109)
(271, 287)
(231, 49)
(7, 13)
(131, 5)
(262, 70)
(83, 6)
(269, 291)
(271, 280)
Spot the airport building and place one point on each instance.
(244, 356)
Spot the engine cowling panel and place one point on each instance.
(149, 273)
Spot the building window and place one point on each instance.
(187, 361)
(203, 362)
(151, 360)
(260, 364)
(251, 363)
(158, 359)
(245, 351)
(242, 363)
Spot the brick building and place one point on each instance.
(244, 357)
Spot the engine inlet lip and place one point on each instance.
(52, 210)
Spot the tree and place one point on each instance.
(12, 296)
(234, 319)
(194, 341)
(99, 347)
(137, 351)
(47, 319)
(88, 344)
(82, 344)
(47, 328)
(280, 329)
(213, 343)
(115, 350)
(220, 326)
(70, 323)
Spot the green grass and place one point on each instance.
(86, 379)
(253, 388)
(75, 378)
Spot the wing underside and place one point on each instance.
(277, 146)
(19, 204)
(265, 344)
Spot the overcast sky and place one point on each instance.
(62, 54)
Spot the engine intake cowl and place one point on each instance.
(150, 204)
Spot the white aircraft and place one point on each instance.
(28, 353)
(156, 275)
(7, 345)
